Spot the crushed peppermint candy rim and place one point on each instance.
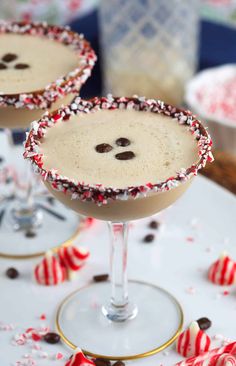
(70, 83)
(97, 193)
(212, 93)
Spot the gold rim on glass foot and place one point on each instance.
(39, 254)
(53, 234)
(80, 322)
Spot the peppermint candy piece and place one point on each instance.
(212, 357)
(78, 359)
(193, 341)
(73, 258)
(223, 271)
(225, 360)
(50, 271)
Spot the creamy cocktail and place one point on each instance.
(41, 68)
(119, 159)
(119, 149)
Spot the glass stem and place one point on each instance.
(29, 197)
(118, 263)
(23, 185)
(24, 213)
(119, 309)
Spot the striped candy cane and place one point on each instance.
(226, 360)
(213, 356)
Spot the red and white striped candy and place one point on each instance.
(50, 271)
(79, 360)
(193, 341)
(223, 271)
(212, 355)
(72, 257)
(225, 360)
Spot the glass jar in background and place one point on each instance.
(149, 47)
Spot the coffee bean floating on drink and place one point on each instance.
(103, 148)
(3, 66)
(126, 155)
(9, 57)
(123, 141)
(21, 66)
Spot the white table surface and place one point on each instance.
(207, 213)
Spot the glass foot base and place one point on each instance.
(82, 323)
(58, 226)
(120, 314)
(26, 218)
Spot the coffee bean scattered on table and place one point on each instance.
(148, 238)
(154, 224)
(52, 338)
(101, 278)
(119, 363)
(102, 362)
(30, 234)
(204, 323)
(12, 273)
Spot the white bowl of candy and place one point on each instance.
(211, 94)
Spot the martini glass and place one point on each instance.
(41, 67)
(145, 319)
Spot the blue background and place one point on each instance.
(217, 46)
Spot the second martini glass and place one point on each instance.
(119, 159)
(41, 67)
